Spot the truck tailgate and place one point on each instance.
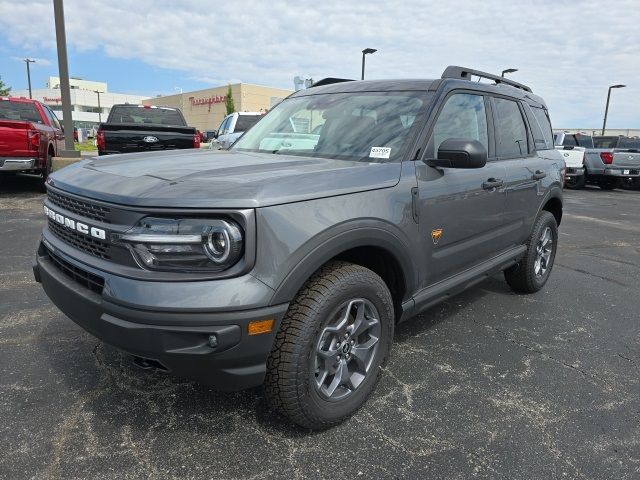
(14, 138)
(626, 158)
(126, 138)
(573, 156)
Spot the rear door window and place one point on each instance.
(510, 129)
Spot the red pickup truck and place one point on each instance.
(30, 136)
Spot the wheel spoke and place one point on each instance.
(341, 376)
(361, 352)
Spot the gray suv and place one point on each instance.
(289, 259)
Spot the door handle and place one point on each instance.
(492, 183)
(538, 175)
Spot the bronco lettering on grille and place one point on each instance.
(75, 225)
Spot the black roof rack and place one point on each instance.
(330, 80)
(463, 73)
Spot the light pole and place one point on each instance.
(606, 110)
(28, 61)
(508, 70)
(366, 51)
(63, 68)
(99, 107)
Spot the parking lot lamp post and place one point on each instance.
(28, 61)
(99, 107)
(63, 68)
(606, 110)
(508, 70)
(366, 51)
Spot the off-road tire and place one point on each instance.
(522, 277)
(46, 172)
(289, 387)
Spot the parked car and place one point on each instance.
(143, 128)
(232, 127)
(573, 148)
(613, 160)
(289, 259)
(30, 136)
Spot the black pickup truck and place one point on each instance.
(143, 128)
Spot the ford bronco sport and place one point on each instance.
(289, 259)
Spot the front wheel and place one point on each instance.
(331, 346)
(532, 272)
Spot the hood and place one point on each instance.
(219, 179)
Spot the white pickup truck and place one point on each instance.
(573, 147)
(232, 127)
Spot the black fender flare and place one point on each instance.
(330, 243)
(554, 192)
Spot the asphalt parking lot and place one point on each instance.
(487, 385)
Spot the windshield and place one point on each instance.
(146, 114)
(19, 111)
(372, 126)
(245, 122)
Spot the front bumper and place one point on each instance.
(176, 340)
(622, 172)
(17, 164)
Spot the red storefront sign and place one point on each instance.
(52, 100)
(195, 102)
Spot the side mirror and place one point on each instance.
(460, 153)
(214, 134)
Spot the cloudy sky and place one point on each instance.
(569, 52)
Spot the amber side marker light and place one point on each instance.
(258, 327)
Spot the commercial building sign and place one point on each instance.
(195, 102)
(52, 100)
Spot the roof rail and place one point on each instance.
(463, 73)
(330, 80)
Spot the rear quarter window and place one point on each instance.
(540, 128)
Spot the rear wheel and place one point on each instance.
(46, 171)
(576, 182)
(331, 346)
(532, 272)
(608, 183)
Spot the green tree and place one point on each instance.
(229, 102)
(4, 89)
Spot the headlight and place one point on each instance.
(186, 244)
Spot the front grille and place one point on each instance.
(80, 207)
(82, 242)
(84, 278)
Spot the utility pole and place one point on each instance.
(99, 107)
(63, 67)
(28, 61)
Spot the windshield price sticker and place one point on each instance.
(380, 152)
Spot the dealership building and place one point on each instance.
(205, 109)
(91, 102)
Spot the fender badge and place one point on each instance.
(435, 235)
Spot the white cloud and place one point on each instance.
(569, 52)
